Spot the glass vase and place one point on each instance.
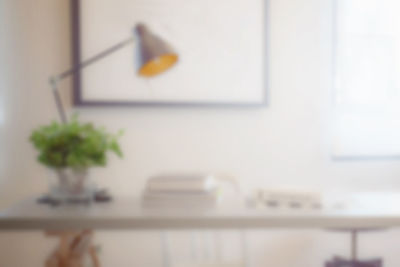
(69, 185)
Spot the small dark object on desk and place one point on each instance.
(295, 205)
(292, 204)
(48, 200)
(272, 203)
(100, 196)
(316, 206)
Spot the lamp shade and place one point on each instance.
(155, 55)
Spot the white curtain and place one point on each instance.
(367, 78)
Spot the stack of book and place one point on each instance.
(181, 190)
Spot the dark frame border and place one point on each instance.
(77, 85)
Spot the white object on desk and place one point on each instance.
(181, 190)
(291, 198)
(204, 200)
(181, 183)
(187, 190)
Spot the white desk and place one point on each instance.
(357, 212)
(361, 211)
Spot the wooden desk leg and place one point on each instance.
(74, 247)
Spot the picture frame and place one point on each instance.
(210, 89)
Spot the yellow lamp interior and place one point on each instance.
(158, 65)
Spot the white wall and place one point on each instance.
(286, 143)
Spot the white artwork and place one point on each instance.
(221, 47)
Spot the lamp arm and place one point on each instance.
(54, 80)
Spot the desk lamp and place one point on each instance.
(154, 57)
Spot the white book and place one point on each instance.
(169, 199)
(189, 205)
(211, 195)
(181, 183)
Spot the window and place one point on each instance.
(367, 78)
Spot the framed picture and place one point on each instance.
(221, 46)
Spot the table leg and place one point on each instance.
(243, 241)
(354, 261)
(165, 249)
(74, 247)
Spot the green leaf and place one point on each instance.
(74, 144)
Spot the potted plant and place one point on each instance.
(70, 150)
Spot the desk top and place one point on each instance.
(360, 211)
